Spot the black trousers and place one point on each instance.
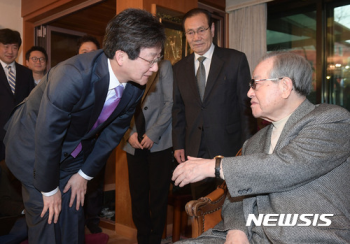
(70, 226)
(94, 199)
(204, 187)
(149, 180)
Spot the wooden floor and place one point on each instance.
(116, 239)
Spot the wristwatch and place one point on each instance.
(217, 165)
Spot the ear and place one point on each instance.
(120, 57)
(27, 63)
(212, 29)
(287, 87)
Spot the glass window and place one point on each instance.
(337, 84)
(295, 32)
(319, 31)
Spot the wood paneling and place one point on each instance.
(30, 6)
(92, 20)
(219, 4)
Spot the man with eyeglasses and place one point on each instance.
(293, 175)
(62, 134)
(211, 114)
(36, 60)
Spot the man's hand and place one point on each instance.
(236, 237)
(180, 155)
(193, 170)
(146, 142)
(134, 142)
(53, 204)
(78, 189)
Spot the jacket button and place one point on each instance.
(145, 108)
(65, 154)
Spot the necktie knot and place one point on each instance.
(201, 59)
(119, 91)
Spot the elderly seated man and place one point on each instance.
(291, 184)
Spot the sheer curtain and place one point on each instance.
(247, 31)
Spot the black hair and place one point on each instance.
(130, 31)
(194, 12)
(87, 38)
(8, 36)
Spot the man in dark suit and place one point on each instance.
(10, 42)
(62, 134)
(212, 118)
(293, 175)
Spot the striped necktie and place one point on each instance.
(11, 79)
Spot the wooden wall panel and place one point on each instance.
(30, 6)
(179, 5)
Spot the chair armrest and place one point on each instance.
(206, 211)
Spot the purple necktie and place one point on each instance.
(107, 110)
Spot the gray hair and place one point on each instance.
(293, 66)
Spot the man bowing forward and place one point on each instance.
(62, 134)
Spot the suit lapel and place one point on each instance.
(215, 68)
(303, 109)
(101, 84)
(4, 80)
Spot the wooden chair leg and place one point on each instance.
(184, 222)
(176, 221)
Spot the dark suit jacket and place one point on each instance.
(224, 114)
(59, 114)
(8, 100)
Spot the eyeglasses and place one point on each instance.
(152, 62)
(199, 32)
(253, 83)
(41, 60)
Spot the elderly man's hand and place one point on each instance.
(193, 170)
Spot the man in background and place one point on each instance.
(294, 170)
(211, 113)
(78, 114)
(16, 81)
(87, 44)
(36, 60)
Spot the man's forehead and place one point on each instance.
(201, 20)
(151, 51)
(10, 44)
(36, 53)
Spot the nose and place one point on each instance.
(251, 93)
(196, 36)
(154, 68)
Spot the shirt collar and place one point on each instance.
(4, 65)
(208, 55)
(113, 80)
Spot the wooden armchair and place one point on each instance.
(206, 211)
